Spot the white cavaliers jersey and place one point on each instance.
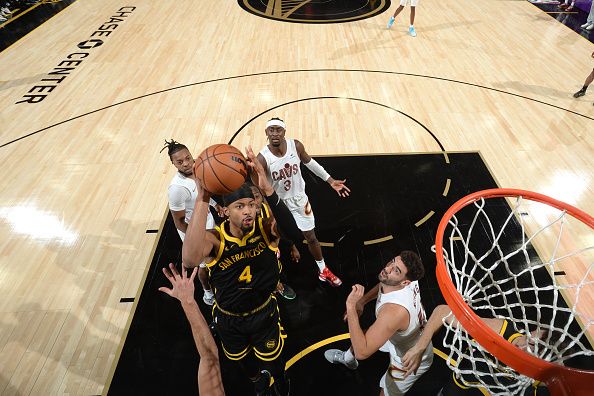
(410, 298)
(182, 194)
(285, 173)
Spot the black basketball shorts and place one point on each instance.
(260, 331)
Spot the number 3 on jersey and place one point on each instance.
(246, 275)
(287, 184)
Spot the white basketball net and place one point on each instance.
(493, 264)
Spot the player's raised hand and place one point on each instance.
(258, 173)
(182, 286)
(354, 297)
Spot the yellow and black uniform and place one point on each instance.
(467, 376)
(244, 274)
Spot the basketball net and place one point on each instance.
(488, 267)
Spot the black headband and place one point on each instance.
(244, 191)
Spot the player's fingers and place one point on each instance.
(172, 268)
(194, 272)
(174, 271)
(166, 290)
(167, 273)
(252, 166)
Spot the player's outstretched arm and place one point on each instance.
(209, 371)
(412, 358)
(338, 185)
(198, 243)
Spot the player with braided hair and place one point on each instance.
(182, 195)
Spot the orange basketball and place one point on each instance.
(221, 169)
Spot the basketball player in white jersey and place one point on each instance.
(182, 195)
(281, 159)
(400, 318)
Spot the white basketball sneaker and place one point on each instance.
(337, 356)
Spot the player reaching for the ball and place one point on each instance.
(281, 158)
(243, 269)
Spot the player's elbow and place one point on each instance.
(189, 260)
(189, 265)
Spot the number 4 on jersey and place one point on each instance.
(245, 276)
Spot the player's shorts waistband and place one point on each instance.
(253, 311)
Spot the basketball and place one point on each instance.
(221, 169)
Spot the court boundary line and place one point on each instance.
(286, 72)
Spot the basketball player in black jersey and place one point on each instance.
(243, 268)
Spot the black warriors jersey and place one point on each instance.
(245, 271)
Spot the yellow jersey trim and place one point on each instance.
(265, 211)
(503, 328)
(231, 238)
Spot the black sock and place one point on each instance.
(281, 382)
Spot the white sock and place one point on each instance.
(321, 264)
(348, 356)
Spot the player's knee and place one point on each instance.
(310, 237)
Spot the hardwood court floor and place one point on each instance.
(82, 179)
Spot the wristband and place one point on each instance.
(318, 169)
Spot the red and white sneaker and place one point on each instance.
(327, 276)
